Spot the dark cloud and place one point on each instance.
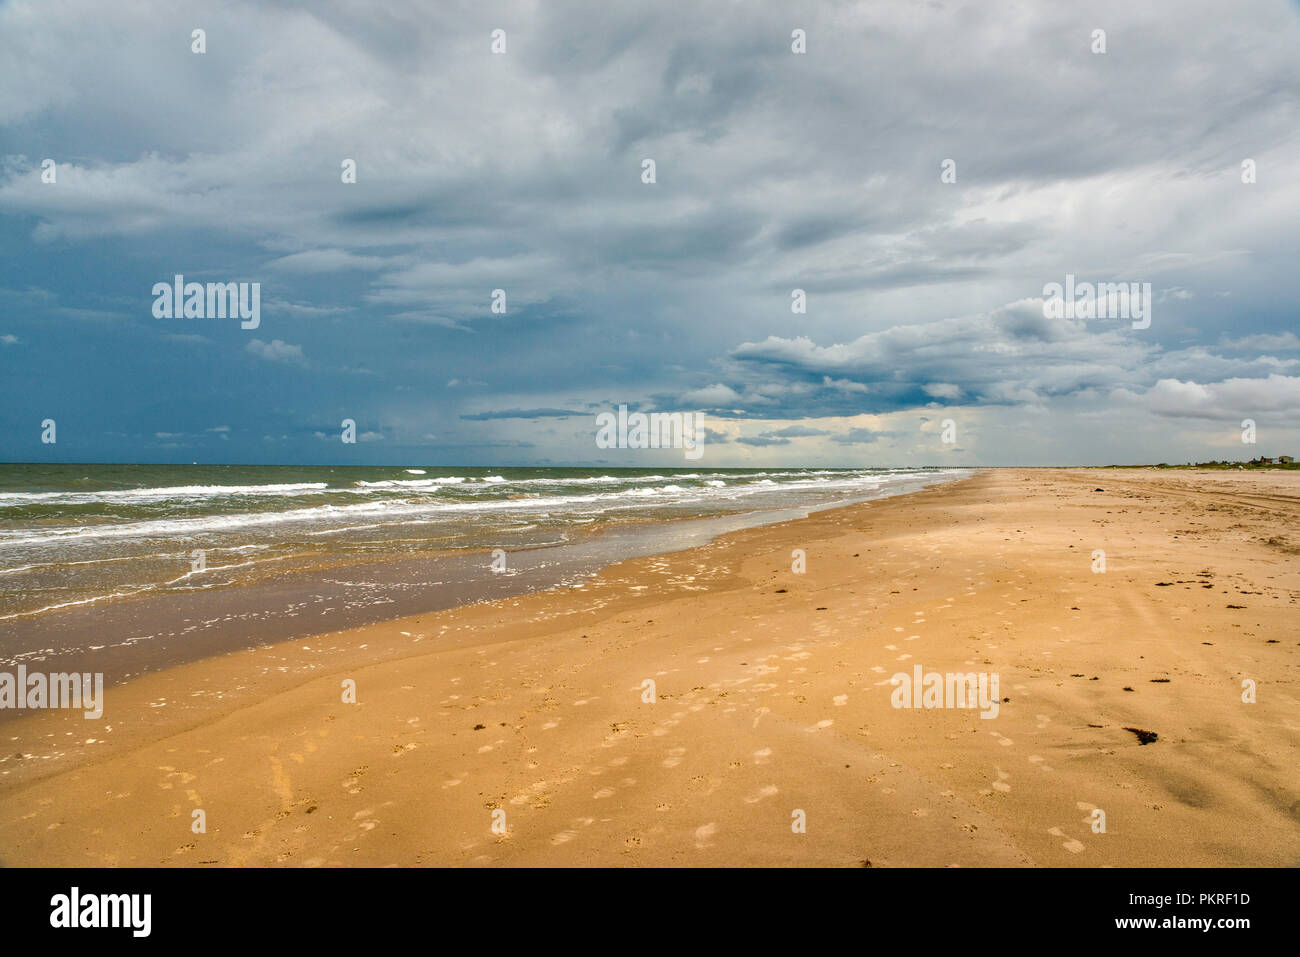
(797, 431)
(859, 437)
(761, 441)
(521, 414)
(522, 173)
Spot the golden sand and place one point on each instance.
(772, 697)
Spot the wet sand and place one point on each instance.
(772, 704)
(129, 638)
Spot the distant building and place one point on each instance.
(1285, 460)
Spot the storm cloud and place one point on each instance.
(521, 173)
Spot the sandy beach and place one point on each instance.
(771, 704)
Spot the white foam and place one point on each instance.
(331, 519)
(156, 494)
(401, 483)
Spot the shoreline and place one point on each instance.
(773, 696)
(73, 540)
(130, 637)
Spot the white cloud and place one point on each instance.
(1229, 398)
(327, 260)
(276, 350)
(1281, 342)
(713, 396)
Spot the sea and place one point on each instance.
(75, 535)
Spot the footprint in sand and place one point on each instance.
(674, 757)
(1088, 809)
(1071, 845)
(1005, 742)
(704, 834)
(603, 793)
(1001, 783)
(762, 756)
(766, 791)
(841, 700)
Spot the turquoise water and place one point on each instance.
(76, 534)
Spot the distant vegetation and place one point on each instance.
(1263, 462)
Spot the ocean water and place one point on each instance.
(75, 535)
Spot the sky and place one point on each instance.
(922, 171)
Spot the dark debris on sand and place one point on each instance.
(1144, 737)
